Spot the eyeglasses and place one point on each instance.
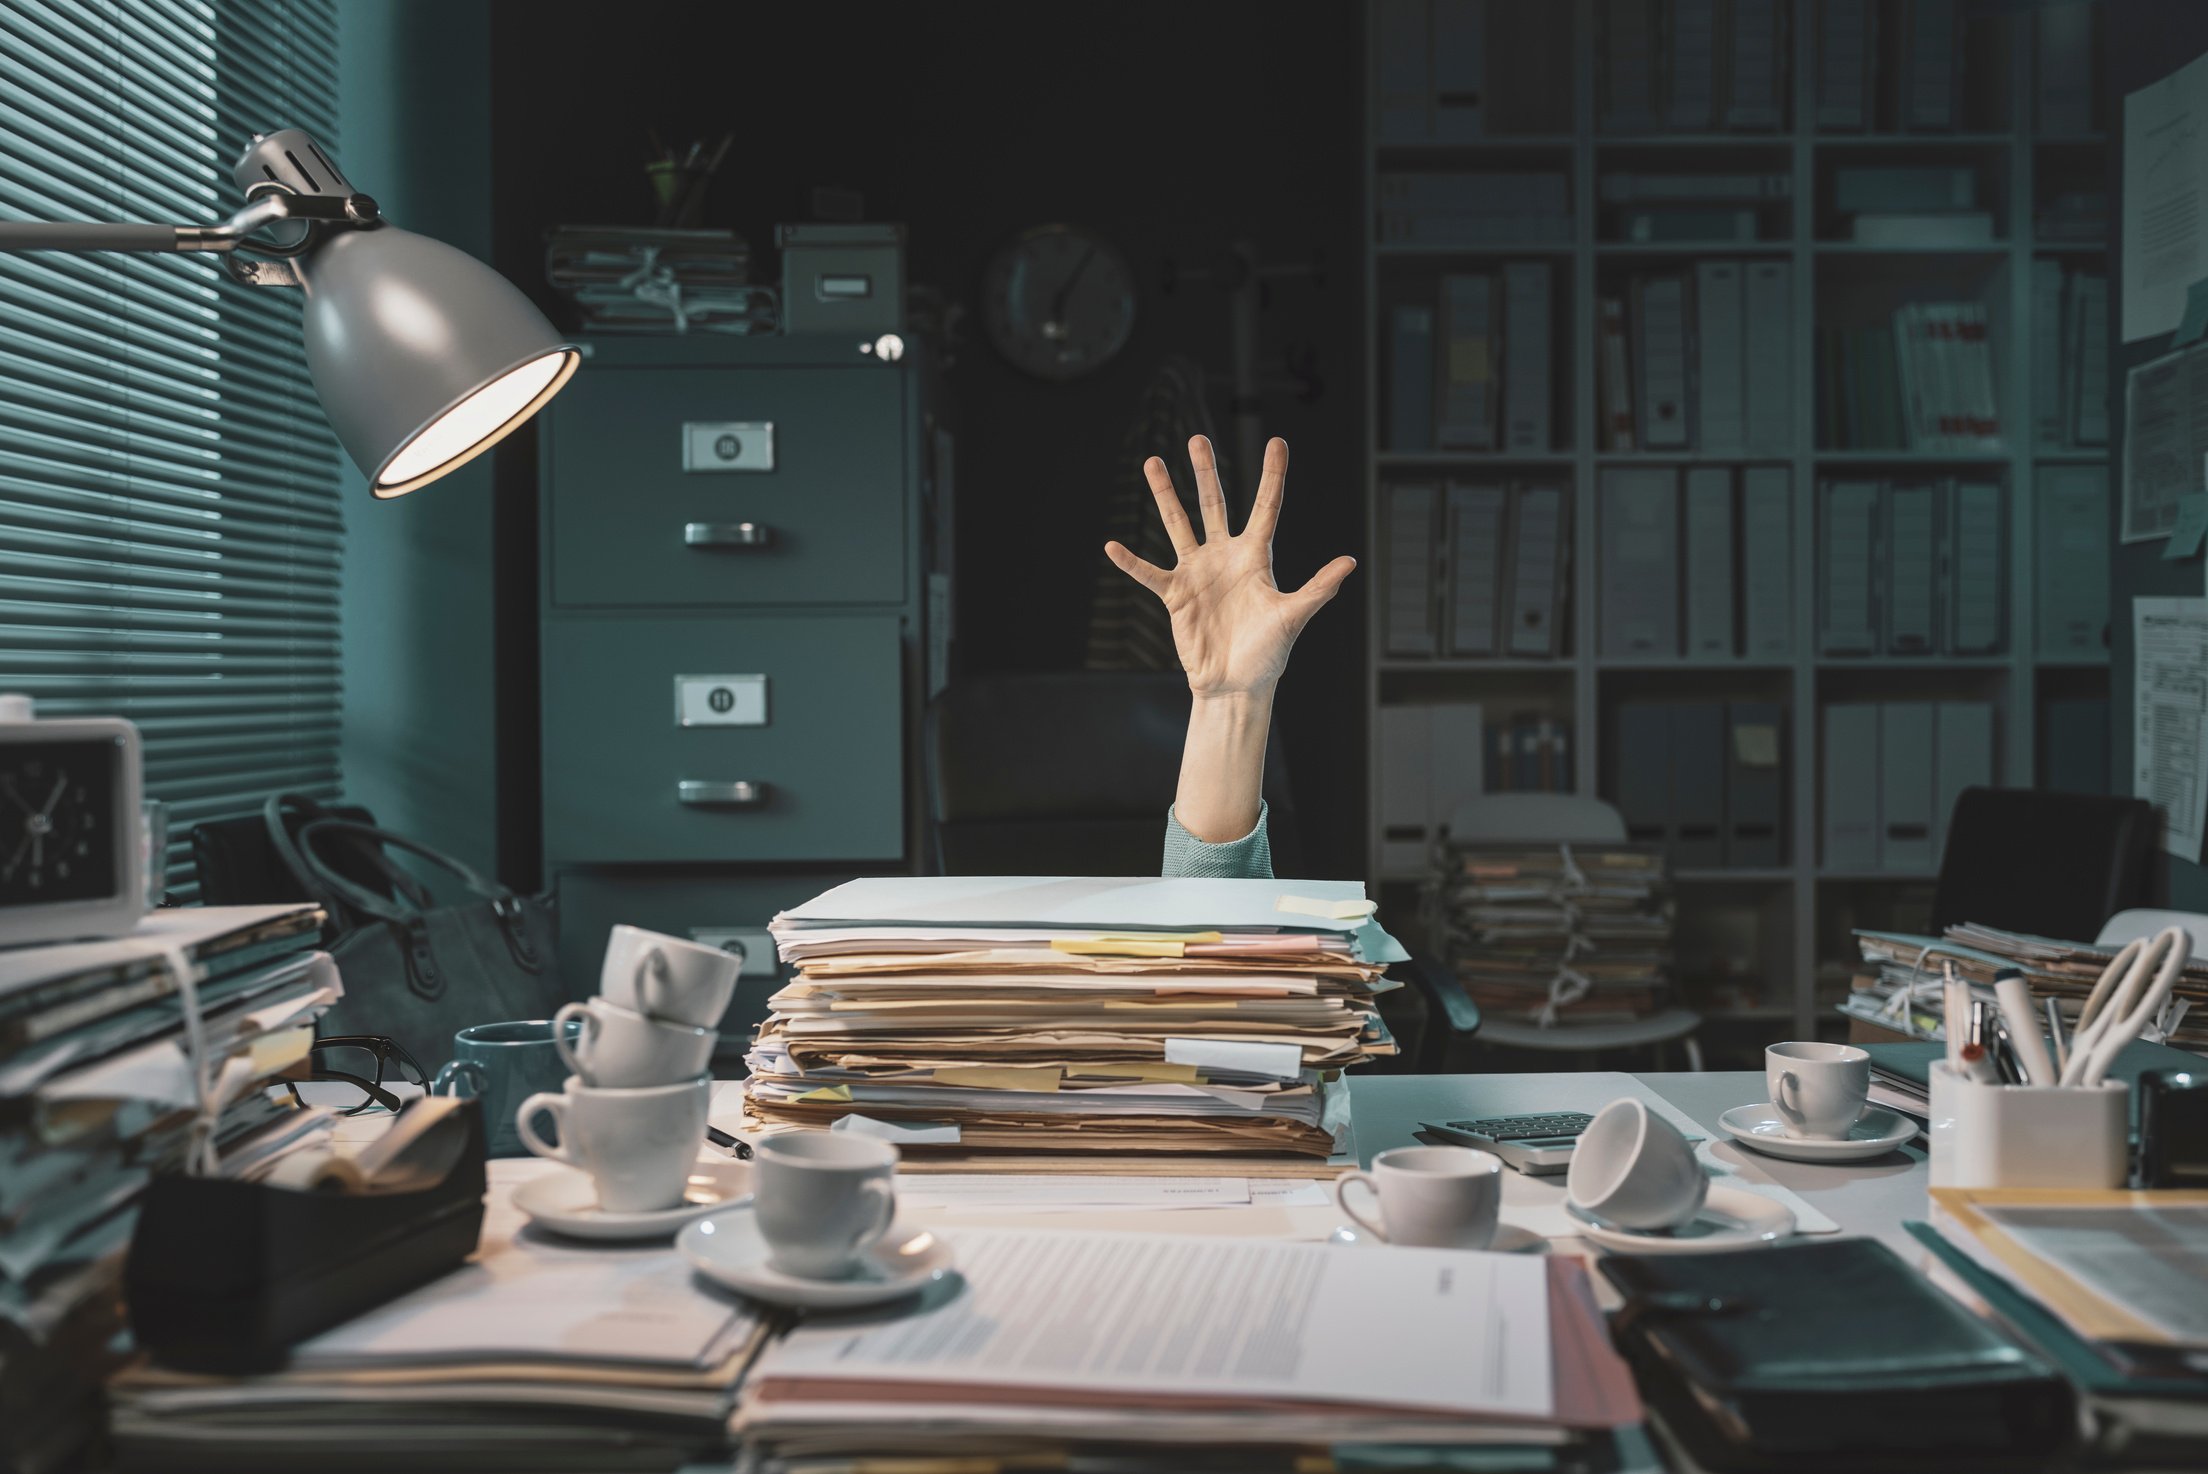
(365, 1063)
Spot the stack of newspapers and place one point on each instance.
(100, 1090)
(1005, 1019)
(1577, 934)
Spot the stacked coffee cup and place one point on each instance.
(632, 1115)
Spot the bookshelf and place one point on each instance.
(1763, 950)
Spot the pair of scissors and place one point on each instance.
(2117, 1012)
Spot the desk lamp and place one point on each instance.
(423, 357)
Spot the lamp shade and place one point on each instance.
(424, 357)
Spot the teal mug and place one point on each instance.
(503, 1065)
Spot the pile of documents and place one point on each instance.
(539, 1354)
(637, 279)
(1004, 1019)
(97, 1093)
(1900, 986)
(1559, 933)
(2110, 1286)
(1087, 1349)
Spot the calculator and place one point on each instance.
(1539, 1146)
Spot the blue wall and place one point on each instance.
(419, 735)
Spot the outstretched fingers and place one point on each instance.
(1271, 487)
(1170, 512)
(1210, 495)
(1141, 570)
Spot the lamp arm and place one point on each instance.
(263, 210)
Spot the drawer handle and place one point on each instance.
(704, 794)
(727, 535)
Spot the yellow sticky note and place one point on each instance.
(828, 1092)
(272, 1053)
(1469, 361)
(1001, 1077)
(1348, 910)
(1119, 947)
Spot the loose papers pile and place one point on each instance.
(1559, 933)
(1001, 1019)
(97, 1093)
(1104, 1350)
(633, 279)
(539, 1354)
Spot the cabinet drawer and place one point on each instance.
(713, 486)
(723, 739)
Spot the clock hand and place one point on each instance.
(17, 858)
(8, 785)
(1065, 292)
(61, 786)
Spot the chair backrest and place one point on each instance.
(1514, 818)
(2143, 922)
(1069, 773)
(2053, 864)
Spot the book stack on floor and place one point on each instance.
(1070, 1350)
(1039, 1023)
(638, 279)
(97, 1094)
(539, 1354)
(1578, 934)
(2112, 1287)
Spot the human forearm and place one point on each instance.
(1223, 763)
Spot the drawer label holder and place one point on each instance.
(728, 445)
(721, 701)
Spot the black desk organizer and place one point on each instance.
(227, 1276)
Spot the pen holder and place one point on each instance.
(2028, 1135)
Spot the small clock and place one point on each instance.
(70, 790)
(1059, 302)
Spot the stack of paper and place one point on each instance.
(986, 1016)
(1114, 1348)
(538, 1354)
(650, 279)
(97, 1093)
(1576, 934)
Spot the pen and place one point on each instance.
(1978, 1065)
(2058, 1037)
(734, 1146)
(2014, 996)
(1956, 1020)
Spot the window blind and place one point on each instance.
(170, 529)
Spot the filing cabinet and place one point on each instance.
(729, 633)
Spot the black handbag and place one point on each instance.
(413, 970)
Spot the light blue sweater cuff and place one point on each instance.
(1247, 858)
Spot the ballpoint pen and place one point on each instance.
(735, 1146)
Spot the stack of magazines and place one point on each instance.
(1899, 986)
(1559, 934)
(99, 1090)
(1028, 1022)
(641, 279)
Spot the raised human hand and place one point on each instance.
(1232, 625)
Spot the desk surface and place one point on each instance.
(1872, 1197)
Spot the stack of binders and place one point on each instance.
(97, 1094)
(1892, 773)
(1700, 360)
(1698, 563)
(1476, 571)
(1703, 782)
(1034, 1023)
(1915, 569)
(1473, 370)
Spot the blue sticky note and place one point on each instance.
(2191, 526)
(2195, 321)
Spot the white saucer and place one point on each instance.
(1876, 1132)
(565, 1202)
(728, 1249)
(1732, 1218)
(1509, 1239)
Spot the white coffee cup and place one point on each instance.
(1633, 1169)
(668, 978)
(1817, 1089)
(621, 1048)
(637, 1145)
(822, 1199)
(1431, 1197)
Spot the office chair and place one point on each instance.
(1565, 818)
(2051, 864)
(1070, 772)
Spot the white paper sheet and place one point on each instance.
(2165, 198)
(2165, 438)
(1439, 1329)
(2169, 728)
(1040, 1192)
(1056, 903)
(1277, 1061)
(2153, 1262)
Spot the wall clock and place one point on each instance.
(1058, 302)
(69, 798)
